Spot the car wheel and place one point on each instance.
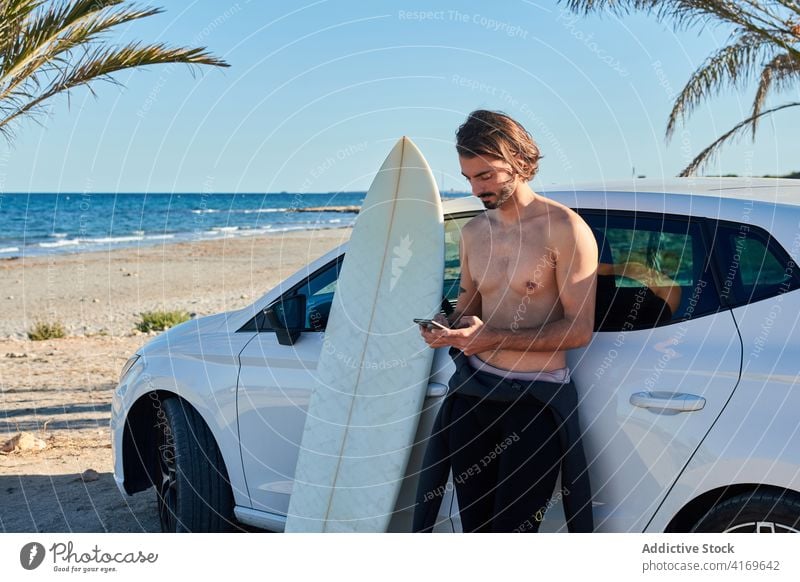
(194, 492)
(760, 512)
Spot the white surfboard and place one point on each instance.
(374, 368)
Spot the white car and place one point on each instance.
(689, 393)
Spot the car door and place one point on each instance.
(662, 364)
(275, 383)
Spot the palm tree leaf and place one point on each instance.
(45, 24)
(57, 30)
(683, 12)
(15, 10)
(760, 31)
(51, 49)
(778, 74)
(707, 154)
(14, 13)
(792, 5)
(100, 64)
(761, 18)
(732, 65)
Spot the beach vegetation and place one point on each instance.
(161, 320)
(45, 330)
(763, 46)
(49, 47)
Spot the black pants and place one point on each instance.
(504, 440)
(505, 461)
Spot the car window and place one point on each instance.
(318, 290)
(753, 265)
(452, 257)
(653, 270)
(321, 285)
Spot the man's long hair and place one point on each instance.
(496, 135)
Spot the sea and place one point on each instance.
(40, 224)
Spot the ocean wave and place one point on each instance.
(103, 240)
(9, 249)
(112, 239)
(59, 234)
(218, 233)
(287, 229)
(252, 232)
(254, 210)
(73, 245)
(124, 239)
(60, 243)
(260, 210)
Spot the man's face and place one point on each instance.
(491, 179)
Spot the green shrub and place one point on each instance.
(43, 330)
(161, 320)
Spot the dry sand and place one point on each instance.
(60, 390)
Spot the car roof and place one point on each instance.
(767, 190)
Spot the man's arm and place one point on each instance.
(576, 277)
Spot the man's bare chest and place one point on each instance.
(523, 263)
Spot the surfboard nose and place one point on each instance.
(405, 153)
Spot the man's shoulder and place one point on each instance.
(475, 224)
(558, 216)
(566, 225)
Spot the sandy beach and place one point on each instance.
(60, 390)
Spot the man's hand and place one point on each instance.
(470, 335)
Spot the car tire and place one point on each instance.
(759, 512)
(193, 493)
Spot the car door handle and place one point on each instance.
(668, 401)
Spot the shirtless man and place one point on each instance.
(528, 277)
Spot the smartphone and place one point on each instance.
(430, 324)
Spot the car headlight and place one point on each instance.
(128, 365)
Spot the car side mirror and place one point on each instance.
(287, 317)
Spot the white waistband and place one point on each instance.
(559, 376)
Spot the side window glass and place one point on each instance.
(759, 267)
(321, 286)
(452, 258)
(319, 290)
(652, 271)
(754, 266)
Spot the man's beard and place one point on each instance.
(506, 190)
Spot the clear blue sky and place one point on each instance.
(318, 92)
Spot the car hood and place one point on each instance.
(186, 332)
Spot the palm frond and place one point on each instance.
(757, 17)
(707, 154)
(683, 13)
(792, 5)
(760, 31)
(14, 10)
(733, 65)
(777, 74)
(101, 64)
(49, 47)
(14, 13)
(57, 30)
